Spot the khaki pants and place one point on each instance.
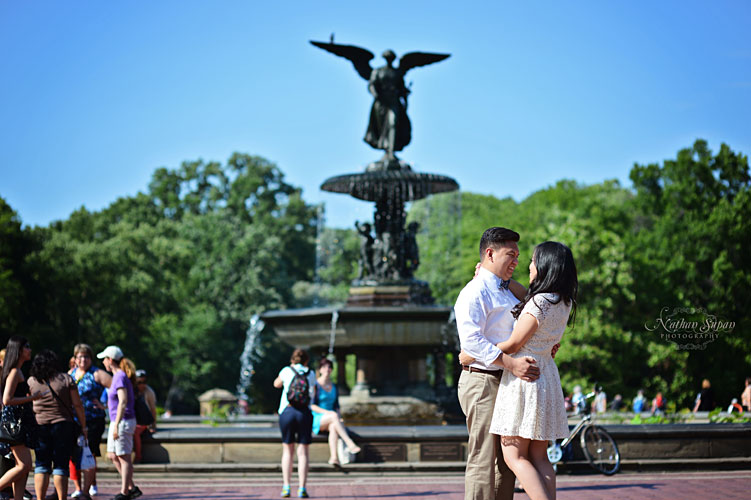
(477, 392)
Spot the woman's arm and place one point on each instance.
(465, 358)
(122, 403)
(79, 410)
(10, 387)
(14, 377)
(150, 398)
(101, 377)
(525, 327)
(314, 402)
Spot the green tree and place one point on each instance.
(13, 247)
(173, 275)
(690, 244)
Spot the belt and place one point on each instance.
(472, 369)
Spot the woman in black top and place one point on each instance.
(705, 399)
(15, 392)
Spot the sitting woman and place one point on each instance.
(326, 415)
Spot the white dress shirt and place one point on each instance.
(483, 318)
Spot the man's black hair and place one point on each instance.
(497, 237)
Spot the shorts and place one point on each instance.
(296, 425)
(123, 445)
(55, 443)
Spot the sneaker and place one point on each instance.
(134, 492)
(76, 494)
(27, 495)
(120, 496)
(285, 492)
(93, 490)
(302, 493)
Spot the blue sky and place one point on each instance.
(97, 95)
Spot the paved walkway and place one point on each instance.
(450, 486)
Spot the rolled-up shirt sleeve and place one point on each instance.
(471, 316)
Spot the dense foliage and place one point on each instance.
(172, 275)
(678, 239)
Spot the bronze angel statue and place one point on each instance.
(389, 127)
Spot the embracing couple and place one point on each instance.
(509, 388)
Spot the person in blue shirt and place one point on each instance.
(639, 402)
(326, 416)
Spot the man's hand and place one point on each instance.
(465, 359)
(524, 368)
(555, 350)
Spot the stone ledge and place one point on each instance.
(437, 432)
(438, 446)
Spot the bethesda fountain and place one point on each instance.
(389, 322)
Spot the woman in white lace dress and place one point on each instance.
(529, 414)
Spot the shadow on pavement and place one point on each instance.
(646, 486)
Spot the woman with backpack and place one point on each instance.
(297, 382)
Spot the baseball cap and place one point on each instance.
(111, 351)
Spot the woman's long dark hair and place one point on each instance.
(45, 366)
(556, 273)
(12, 355)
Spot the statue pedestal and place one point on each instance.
(364, 293)
(386, 164)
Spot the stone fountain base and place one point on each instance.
(393, 346)
(389, 410)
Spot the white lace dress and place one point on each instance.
(535, 410)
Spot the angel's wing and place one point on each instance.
(415, 59)
(360, 57)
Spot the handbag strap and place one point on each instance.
(67, 408)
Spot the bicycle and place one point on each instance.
(598, 446)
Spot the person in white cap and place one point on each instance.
(121, 404)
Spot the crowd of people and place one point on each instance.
(61, 415)
(704, 402)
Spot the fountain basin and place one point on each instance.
(402, 185)
(361, 326)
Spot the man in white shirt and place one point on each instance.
(483, 317)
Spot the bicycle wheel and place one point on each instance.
(601, 450)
